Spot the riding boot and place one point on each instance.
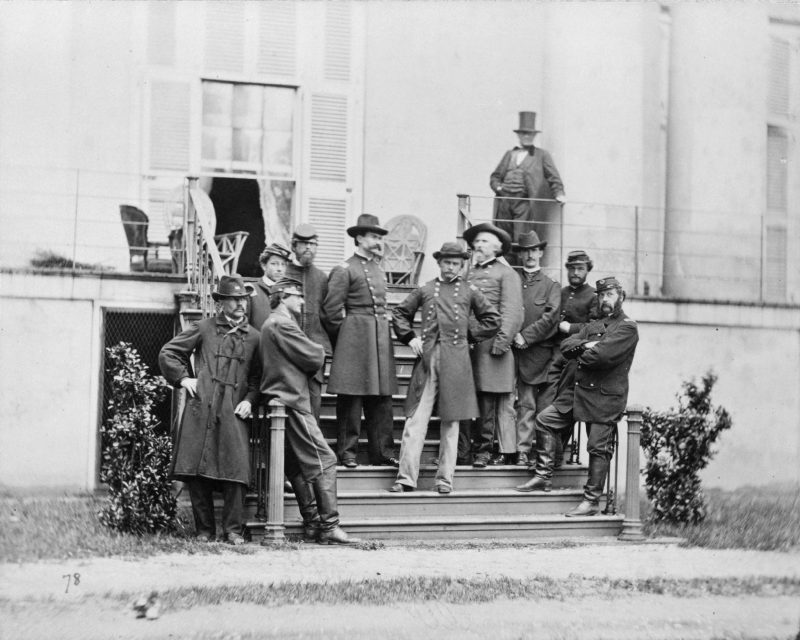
(593, 489)
(304, 494)
(543, 470)
(325, 491)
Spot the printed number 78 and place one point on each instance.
(74, 578)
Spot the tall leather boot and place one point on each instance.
(327, 505)
(593, 489)
(306, 502)
(543, 471)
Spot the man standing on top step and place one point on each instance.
(363, 371)
(310, 463)
(443, 368)
(315, 288)
(492, 360)
(593, 389)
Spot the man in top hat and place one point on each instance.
(212, 447)
(294, 359)
(492, 359)
(315, 288)
(443, 368)
(524, 172)
(600, 357)
(533, 345)
(362, 372)
(273, 260)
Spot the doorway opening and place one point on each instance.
(237, 205)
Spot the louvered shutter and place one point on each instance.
(277, 39)
(328, 215)
(775, 263)
(779, 77)
(338, 39)
(225, 36)
(777, 160)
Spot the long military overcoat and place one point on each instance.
(492, 360)
(541, 301)
(354, 313)
(446, 308)
(212, 441)
(601, 373)
(258, 308)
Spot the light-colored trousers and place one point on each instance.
(414, 435)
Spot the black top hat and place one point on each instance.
(287, 284)
(304, 232)
(579, 257)
(529, 241)
(608, 283)
(275, 249)
(233, 287)
(450, 250)
(505, 239)
(527, 122)
(366, 223)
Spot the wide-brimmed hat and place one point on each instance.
(275, 249)
(233, 287)
(450, 250)
(505, 239)
(527, 122)
(287, 284)
(608, 283)
(304, 232)
(366, 223)
(579, 257)
(529, 240)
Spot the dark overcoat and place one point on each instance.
(446, 308)
(212, 441)
(315, 288)
(601, 373)
(541, 302)
(492, 360)
(293, 358)
(577, 304)
(354, 313)
(258, 308)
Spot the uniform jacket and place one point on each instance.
(539, 175)
(355, 315)
(492, 360)
(601, 374)
(446, 308)
(213, 442)
(293, 358)
(576, 306)
(315, 288)
(541, 301)
(258, 310)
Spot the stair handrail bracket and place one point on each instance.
(632, 523)
(275, 527)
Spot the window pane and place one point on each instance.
(217, 147)
(247, 146)
(278, 131)
(247, 106)
(217, 104)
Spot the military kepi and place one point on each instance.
(579, 257)
(366, 223)
(608, 283)
(304, 232)
(287, 284)
(233, 287)
(450, 250)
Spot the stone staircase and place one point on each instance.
(483, 503)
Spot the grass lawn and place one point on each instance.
(37, 528)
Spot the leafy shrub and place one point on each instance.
(46, 259)
(677, 444)
(136, 458)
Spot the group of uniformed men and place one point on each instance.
(487, 347)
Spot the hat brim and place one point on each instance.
(519, 247)
(505, 239)
(250, 291)
(527, 130)
(359, 230)
(438, 255)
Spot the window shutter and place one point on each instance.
(779, 74)
(277, 42)
(161, 36)
(225, 36)
(170, 125)
(777, 150)
(338, 36)
(328, 137)
(775, 268)
(328, 215)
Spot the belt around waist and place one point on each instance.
(368, 311)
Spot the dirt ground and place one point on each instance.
(35, 603)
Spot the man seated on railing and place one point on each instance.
(212, 450)
(524, 172)
(310, 463)
(593, 389)
(443, 369)
(273, 261)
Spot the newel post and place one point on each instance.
(274, 529)
(632, 524)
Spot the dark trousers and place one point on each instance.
(378, 417)
(201, 493)
(315, 396)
